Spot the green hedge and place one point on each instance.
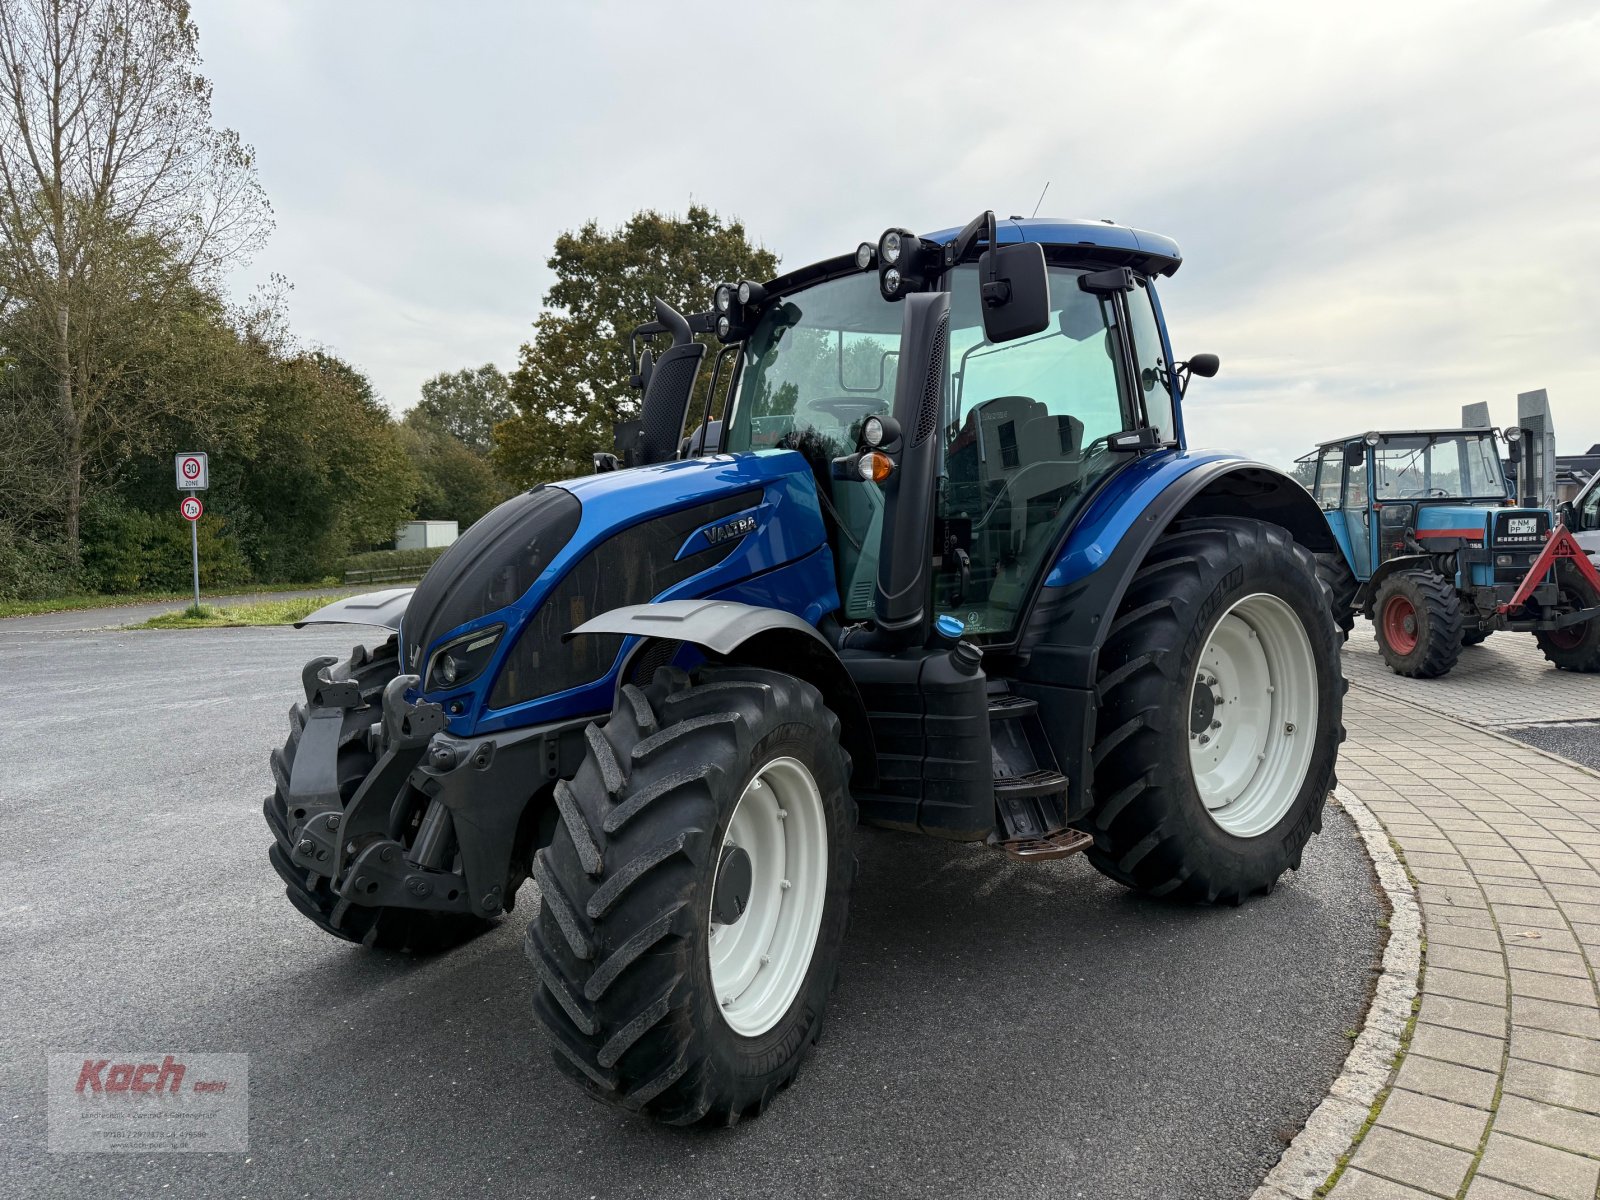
(383, 560)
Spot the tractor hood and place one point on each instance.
(485, 629)
(1447, 526)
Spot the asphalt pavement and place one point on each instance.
(999, 1029)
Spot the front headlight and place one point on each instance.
(463, 660)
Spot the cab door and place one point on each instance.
(1357, 508)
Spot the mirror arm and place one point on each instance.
(995, 291)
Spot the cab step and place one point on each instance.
(1058, 844)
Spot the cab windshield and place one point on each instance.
(1025, 426)
(1438, 466)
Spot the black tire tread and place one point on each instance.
(1137, 843)
(1438, 603)
(1342, 586)
(620, 1013)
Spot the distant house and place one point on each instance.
(1575, 470)
(426, 535)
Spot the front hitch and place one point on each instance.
(357, 846)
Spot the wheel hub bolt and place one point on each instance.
(1205, 739)
(307, 847)
(1288, 728)
(1216, 724)
(333, 821)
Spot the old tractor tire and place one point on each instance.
(1419, 624)
(402, 929)
(1224, 636)
(695, 894)
(1575, 647)
(1340, 581)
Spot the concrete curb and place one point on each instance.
(1333, 1124)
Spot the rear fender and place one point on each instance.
(1070, 618)
(755, 637)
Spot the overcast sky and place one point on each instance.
(1386, 209)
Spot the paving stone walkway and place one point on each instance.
(1498, 1097)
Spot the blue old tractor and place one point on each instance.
(1435, 551)
(943, 565)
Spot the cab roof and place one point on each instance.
(1478, 431)
(1150, 252)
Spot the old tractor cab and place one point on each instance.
(1436, 551)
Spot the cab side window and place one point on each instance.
(1589, 510)
(1355, 487)
(1329, 469)
(1155, 375)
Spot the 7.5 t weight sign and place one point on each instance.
(191, 508)
(192, 471)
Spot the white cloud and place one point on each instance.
(1388, 210)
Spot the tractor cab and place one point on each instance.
(1388, 495)
(1434, 548)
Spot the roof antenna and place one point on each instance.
(1035, 211)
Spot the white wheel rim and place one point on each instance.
(759, 961)
(1253, 715)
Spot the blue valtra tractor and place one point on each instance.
(944, 566)
(1435, 550)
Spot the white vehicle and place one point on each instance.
(1582, 515)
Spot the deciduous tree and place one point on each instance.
(570, 387)
(118, 196)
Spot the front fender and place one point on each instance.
(757, 637)
(383, 609)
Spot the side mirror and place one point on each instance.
(1016, 291)
(1204, 365)
(1355, 453)
(1514, 451)
(1567, 515)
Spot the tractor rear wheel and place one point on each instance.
(695, 894)
(1419, 625)
(1220, 714)
(1341, 583)
(405, 929)
(1573, 647)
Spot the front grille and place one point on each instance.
(1519, 535)
(1515, 529)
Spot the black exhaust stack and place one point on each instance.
(668, 389)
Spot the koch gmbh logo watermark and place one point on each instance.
(144, 1103)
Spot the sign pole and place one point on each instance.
(194, 549)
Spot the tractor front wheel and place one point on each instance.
(1573, 647)
(1419, 624)
(1220, 706)
(695, 894)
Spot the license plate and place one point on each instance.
(1521, 525)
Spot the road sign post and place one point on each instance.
(193, 472)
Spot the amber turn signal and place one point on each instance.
(875, 466)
